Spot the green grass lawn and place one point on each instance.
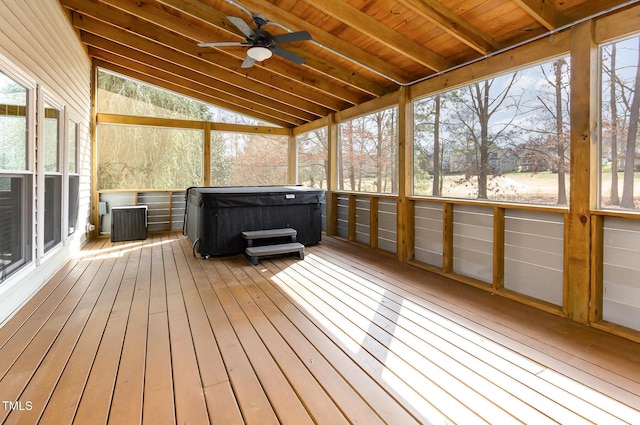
(519, 187)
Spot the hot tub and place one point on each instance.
(215, 217)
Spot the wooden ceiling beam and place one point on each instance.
(224, 67)
(214, 17)
(188, 88)
(544, 12)
(128, 55)
(374, 29)
(173, 69)
(276, 72)
(341, 75)
(292, 96)
(234, 82)
(329, 41)
(361, 50)
(453, 24)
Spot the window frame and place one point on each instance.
(28, 231)
(71, 190)
(45, 218)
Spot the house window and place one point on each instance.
(16, 182)
(367, 154)
(501, 139)
(73, 176)
(52, 177)
(620, 107)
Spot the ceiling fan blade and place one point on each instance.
(248, 62)
(222, 44)
(291, 37)
(241, 25)
(290, 56)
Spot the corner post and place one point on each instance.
(405, 207)
(583, 154)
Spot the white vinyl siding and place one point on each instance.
(40, 45)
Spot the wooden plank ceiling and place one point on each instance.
(361, 49)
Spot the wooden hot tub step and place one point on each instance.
(250, 235)
(255, 252)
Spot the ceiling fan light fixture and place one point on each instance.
(259, 53)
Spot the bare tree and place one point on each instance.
(313, 165)
(559, 140)
(478, 113)
(615, 199)
(384, 159)
(629, 162)
(481, 107)
(437, 166)
(427, 144)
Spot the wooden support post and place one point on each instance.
(583, 187)
(95, 196)
(373, 222)
(405, 206)
(292, 169)
(498, 248)
(597, 266)
(170, 210)
(409, 220)
(565, 265)
(206, 150)
(332, 179)
(447, 238)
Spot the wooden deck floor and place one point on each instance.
(142, 332)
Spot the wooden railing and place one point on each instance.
(165, 207)
(514, 250)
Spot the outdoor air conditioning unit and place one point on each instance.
(128, 223)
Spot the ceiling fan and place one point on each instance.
(262, 45)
